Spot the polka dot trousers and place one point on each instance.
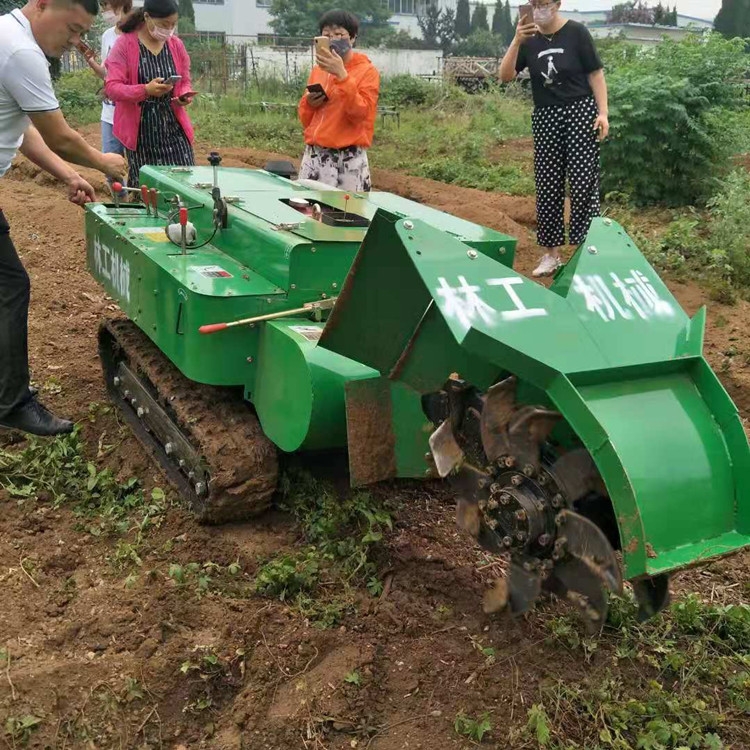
(566, 150)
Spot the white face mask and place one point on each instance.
(160, 34)
(109, 17)
(542, 16)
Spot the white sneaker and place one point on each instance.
(547, 266)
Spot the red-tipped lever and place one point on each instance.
(213, 328)
(154, 193)
(116, 192)
(183, 216)
(146, 199)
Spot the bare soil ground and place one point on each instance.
(79, 639)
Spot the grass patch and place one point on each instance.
(341, 536)
(681, 681)
(58, 472)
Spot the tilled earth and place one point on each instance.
(77, 636)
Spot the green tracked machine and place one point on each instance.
(583, 430)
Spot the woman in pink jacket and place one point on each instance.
(150, 116)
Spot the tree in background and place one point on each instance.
(479, 19)
(498, 18)
(447, 30)
(428, 21)
(299, 18)
(481, 43)
(6, 6)
(187, 17)
(463, 19)
(734, 18)
(635, 11)
(438, 27)
(509, 25)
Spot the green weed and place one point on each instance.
(18, 729)
(341, 536)
(474, 729)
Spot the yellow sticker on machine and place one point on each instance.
(155, 234)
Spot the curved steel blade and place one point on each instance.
(445, 449)
(468, 517)
(652, 595)
(575, 580)
(499, 404)
(587, 542)
(523, 589)
(529, 429)
(577, 475)
(496, 598)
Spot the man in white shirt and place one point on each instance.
(31, 122)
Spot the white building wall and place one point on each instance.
(251, 17)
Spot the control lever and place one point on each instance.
(221, 210)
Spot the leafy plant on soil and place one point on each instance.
(58, 472)
(692, 690)
(342, 536)
(208, 577)
(18, 729)
(474, 729)
(211, 676)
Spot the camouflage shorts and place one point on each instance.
(344, 168)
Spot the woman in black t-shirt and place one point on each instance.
(569, 120)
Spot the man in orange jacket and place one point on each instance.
(339, 120)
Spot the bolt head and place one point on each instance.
(492, 523)
(516, 481)
(495, 488)
(169, 449)
(409, 225)
(608, 222)
(509, 461)
(116, 380)
(529, 470)
(521, 515)
(528, 567)
(200, 488)
(507, 541)
(473, 254)
(557, 501)
(593, 250)
(141, 411)
(504, 499)
(191, 475)
(521, 536)
(492, 504)
(181, 463)
(544, 540)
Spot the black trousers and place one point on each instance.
(566, 150)
(14, 314)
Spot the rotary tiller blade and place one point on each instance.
(583, 539)
(577, 475)
(574, 580)
(524, 588)
(445, 449)
(652, 595)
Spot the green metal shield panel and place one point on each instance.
(608, 345)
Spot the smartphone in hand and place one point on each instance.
(85, 50)
(172, 80)
(322, 42)
(526, 13)
(316, 88)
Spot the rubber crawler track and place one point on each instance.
(242, 462)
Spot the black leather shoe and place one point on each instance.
(35, 419)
